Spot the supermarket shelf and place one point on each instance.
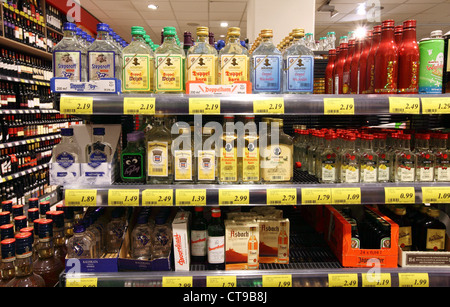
(23, 173)
(25, 48)
(27, 111)
(29, 141)
(26, 81)
(178, 104)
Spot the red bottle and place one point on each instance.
(398, 34)
(386, 61)
(347, 66)
(370, 72)
(329, 72)
(339, 68)
(354, 71)
(408, 60)
(362, 66)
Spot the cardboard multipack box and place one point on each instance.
(274, 240)
(241, 245)
(181, 241)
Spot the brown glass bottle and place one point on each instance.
(47, 265)
(25, 277)
(58, 234)
(7, 269)
(432, 233)
(405, 228)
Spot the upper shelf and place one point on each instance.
(258, 104)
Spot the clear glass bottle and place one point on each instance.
(202, 59)
(59, 242)
(115, 231)
(7, 269)
(298, 66)
(207, 158)
(425, 159)
(266, 65)
(25, 277)
(350, 161)
(310, 42)
(48, 266)
(248, 157)
(277, 156)
(385, 159)
(331, 40)
(138, 64)
(405, 163)
(253, 250)
(283, 244)
(329, 160)
(140, 239)
(104, 58)
(170, 65)
(234, 60)
(69, 56)
(301, 144)
(369, 160)
(98, 152)
(80, 246)
(442, 156)
(67, 155)
(318, 154)
(199, 234)
(132, 159)
(216, 241)
(159, 153)
(228, 159)
(95, 235)
(162, 238)
(183, 157)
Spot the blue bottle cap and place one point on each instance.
(23, 244)
(99, 131)
(79, 228)
(6, 231)
(68, 26)
(67, 131)
(8, 249)
(103, 27)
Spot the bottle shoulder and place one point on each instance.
(202, 48)
(137, 48)
(233, 49)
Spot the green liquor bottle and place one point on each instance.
(132, 159)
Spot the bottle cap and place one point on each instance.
(170, 31)
(203, 31)
(17, 210)
(133, 137)
(79, 228)
(44, 207)
(34, 202)
(67, 131)
(8, 249)
(20, 222)
(68, 26)
(27, 229)
(398, 29)
(103, 27)
(142, 219)
(332, 52)
(57, 217)
(45, 229)
(377, 29)
(7, 205)
(436, 34)
(23, 244)
(99, 131)
(267, 33)
(5, 217)
(388, 23)
(7, 231)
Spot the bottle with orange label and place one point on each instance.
(234, 59)
(202, 61)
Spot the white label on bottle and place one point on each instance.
(328, 173)
(407, 174)
(216, 249)
(425, 174)
(383, 173)
(198, 242)
(443, 174)
(351, 175)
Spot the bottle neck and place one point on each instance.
(387, 34)
(98, 138)
(45, 248)
(409, 34)
(441, 143)
(203, 39)
(234, 40)
(103, 35)
(424, 144)
(169, 39)
(66, 140)
(137, 38)
(70, 34)
(366, 144)
(24, 264)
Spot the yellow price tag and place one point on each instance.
(277, 281)
(157, 197)
(139, 105)
(234, 197)
(343, 280)
(76, 105)
(413, 280)
(435, 195)
(83, 198)
(316, 196)
(281, 196)
(128, 198)
(346, 196)
(436, 105)
(339, 106)
(191, 197)
(399, 195)
(376, 280)
(221, 281)
(177, 281)
(269, 106)
(404, 105)
(204, 105)
(81, 282)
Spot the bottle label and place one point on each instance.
(346, 82)
(67, 64)
(137, 72)
(266, 73)
(96, 159)
(355, 243)
(67, 162)
(404, 236)
(198, 242)
(216, 249)
(183, 165)
(351, 174)
(157, 159)
(169, 72)
(328, 170)
(233, 68)
(250, 163)
(406, 173)
(435, 239)
(228, 162)
(369, 171)
(278, 164)
(202, 68)
(300, 73)
(426, 173)
(206, 165)
(101, 65)
(443, 172)
(132, 166)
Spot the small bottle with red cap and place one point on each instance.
(7, 269)
(425, 158)
(369, 160)
(350, 158)
(25, 276)
(405, 162)
(385, 158)
(329, 160)
(442, 154)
